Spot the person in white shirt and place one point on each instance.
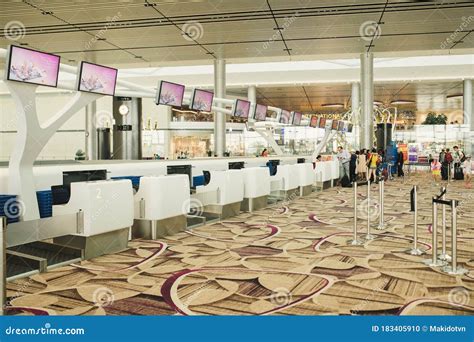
(467, 170)
(344, 158)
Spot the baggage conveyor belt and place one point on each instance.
(37, 257)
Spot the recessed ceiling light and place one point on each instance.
(400, 102)
(334, 105)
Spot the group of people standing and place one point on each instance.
(363, 164)
(453, 165)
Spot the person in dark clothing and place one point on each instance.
(353, 166)
(400, 163)
(448, 160)
(444, 165)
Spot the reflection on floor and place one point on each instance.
(291, 259)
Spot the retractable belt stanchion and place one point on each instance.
(382, 224)
(443, 256)
(414, 207)
(434, 234)
(368, 236)
(3, 264)
(454, 269)
(355, 241)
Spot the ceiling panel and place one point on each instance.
(235, 30)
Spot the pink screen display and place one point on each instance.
(171, 94)
(260, 112)
(296, 118)
(97, 79)
(202, 100)
(285, 117)
(313, 122)
(33, 67)
(242, 109)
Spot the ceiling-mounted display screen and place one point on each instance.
(341, 126)
(285, 117)
(202, 100)
(260, 112)
(169, 94)
(241, 108)
(296, 118)
(313, 122)
(335, 124)
(322, 123)
(31, 66)
(97, 79)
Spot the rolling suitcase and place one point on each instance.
(346, 182)
(458, 174)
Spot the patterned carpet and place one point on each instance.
(289, 259)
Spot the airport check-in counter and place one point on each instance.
(160, 206)
(223, 194)
(306, 178)
(326, 172)
(89, 215)
(105, 216)
(286, 180)
(256, 188)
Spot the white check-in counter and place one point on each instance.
(229, 187)
(326, 171)
(256, 188)
(306, 178)
(161, 205)
(106, 215)
(286, 180)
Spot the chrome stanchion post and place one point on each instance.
(454, 269)
(443, 256)
(434, 237)
(381, 202)
(415, 250)
(355, 241)
(3, 264)
(368, 236)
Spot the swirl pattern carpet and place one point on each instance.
(289, 259)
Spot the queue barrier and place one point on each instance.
(435, 261)
(414, 208)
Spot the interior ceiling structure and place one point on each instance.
(182, 32)
(435, 95)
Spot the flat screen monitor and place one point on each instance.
(241, 108)
(260, 112)
(297, 118)
(322, 123)
(31, 66)
(341, 126)
(169, 94)
(335, 124)
(94, 78)
(285, 117)
(350, 127)
(236, 165)
(313, 122)
(202, 100)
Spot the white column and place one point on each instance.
(91, 131)
(468, 114)
(467, 104)
(252, 94)
(219, 118)
(355, 99)
(367, 83)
